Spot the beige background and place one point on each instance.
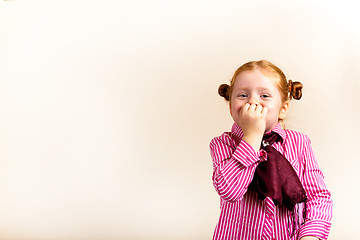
(107, 109)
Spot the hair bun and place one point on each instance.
(224, 91)
(295, 89)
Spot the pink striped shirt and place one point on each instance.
(243, 215)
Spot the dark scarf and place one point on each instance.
(276, 178)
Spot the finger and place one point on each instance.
(259, 108)
(252, 107)
(245, 107)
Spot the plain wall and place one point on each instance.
(107, 109)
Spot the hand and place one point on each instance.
(309, 238)
(252, 120)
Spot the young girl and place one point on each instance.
(269, 182)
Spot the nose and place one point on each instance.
(254, 100)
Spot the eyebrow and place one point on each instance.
(264, 89)
(247, 89)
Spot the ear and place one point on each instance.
(230, 108)
(284, 110)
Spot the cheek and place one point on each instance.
(236, 106)
(273, 110)
(267, 104)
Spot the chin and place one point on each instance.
(267, 129)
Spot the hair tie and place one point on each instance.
(290, 86)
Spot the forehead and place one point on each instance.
(254, 79)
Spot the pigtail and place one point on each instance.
(295, 89)
(224, 91)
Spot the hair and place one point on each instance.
(287, 89)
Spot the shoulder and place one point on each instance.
(222, 147)
(296, 137)
(226, 138)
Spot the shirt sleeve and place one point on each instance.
(319, 203)
(234, 167)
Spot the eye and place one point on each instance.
(242, 95)
(265, 96)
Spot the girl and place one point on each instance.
(269, 182)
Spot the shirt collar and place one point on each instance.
(279, 130)
(237, 131)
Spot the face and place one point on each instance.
(253, 87)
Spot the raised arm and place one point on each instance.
(234, 167)
(235, 164)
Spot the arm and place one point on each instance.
(319, 203)
(234, 167)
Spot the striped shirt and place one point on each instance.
(243, 215)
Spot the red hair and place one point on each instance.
(287, 89)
